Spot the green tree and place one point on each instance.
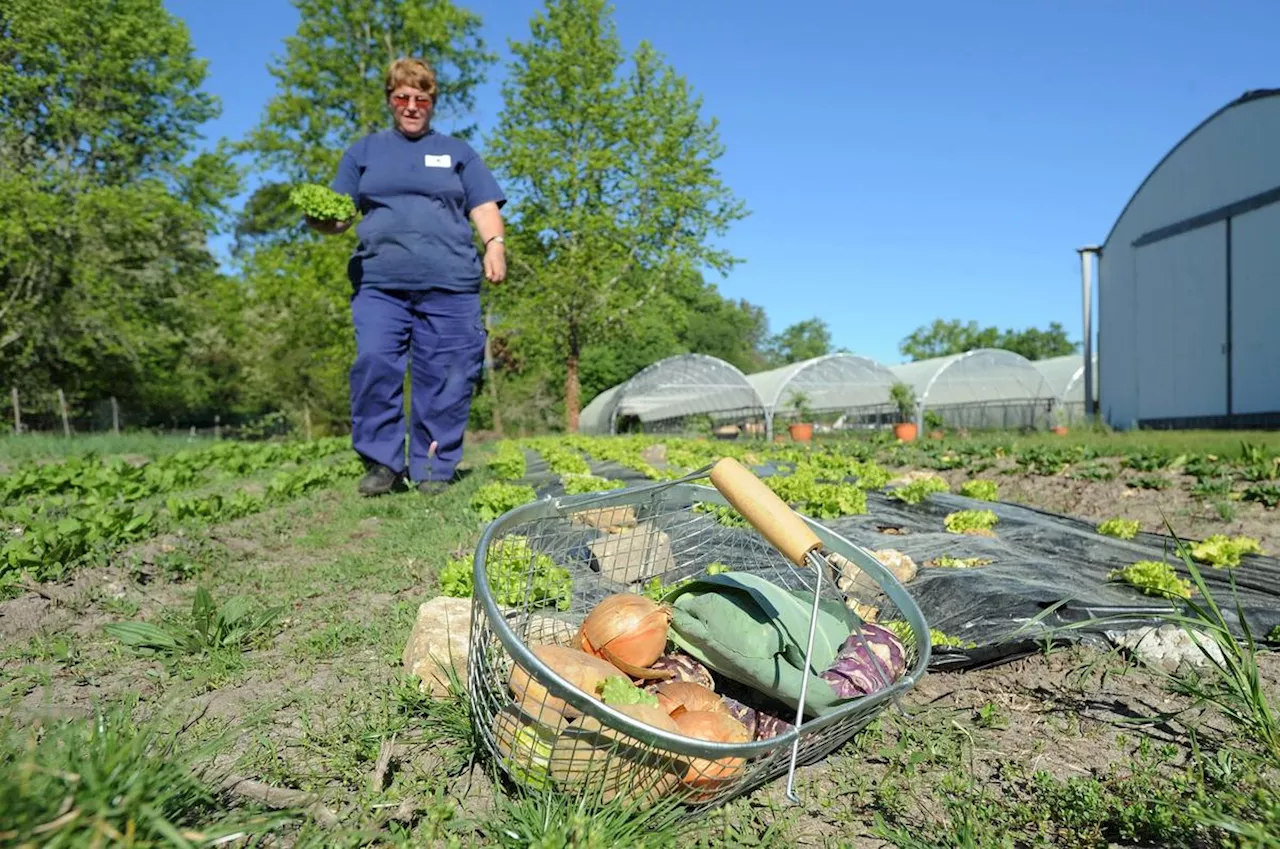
(329, 93)
(612, 171)
(329, 85)
(105, 203)
(803, 340)
(1036, 344)
(943, 338)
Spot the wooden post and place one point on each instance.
(115, 416)
(306, 421)
(62, 405)
(217, 426)
(17, 412)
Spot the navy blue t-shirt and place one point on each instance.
(414, 196)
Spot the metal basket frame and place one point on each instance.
(766, 759)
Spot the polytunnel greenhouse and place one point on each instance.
(1065, 376)
(982, 389)
(854, 386)
(675, 394)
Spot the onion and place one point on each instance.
(703, 775)
(584, 671)
(607, 761)
(676, 697)
(628, 630)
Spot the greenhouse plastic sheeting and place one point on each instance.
(833, 382)
(1040, 560)
(679, 386)
(1065, 376)
(974, 377)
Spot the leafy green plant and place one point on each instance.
(583, 484)
(903, 397)
(234, 627)
(508, 566)
(920, 489)
(1266, 494)
(819, 500)
(497, 497)
(800, 403)
(1221, 551)
(1153, 577)
(725, 515)
(983, 490)
(902, 629)
(508, 462)
(1120, 528)
(322, 203)
(959, 562)
(970, 521)
(1149, 482)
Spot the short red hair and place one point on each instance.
(412, 72)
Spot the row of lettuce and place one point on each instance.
(826, 482)
(56, 516)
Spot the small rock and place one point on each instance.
(655, 454)
(606, 518)
(865, 612)
(441, 638)
(632, 555)
(547, 630)
(1167, 646)
(902, 566)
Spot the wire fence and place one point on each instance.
(53, 413)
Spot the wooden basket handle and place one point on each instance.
(766, 512)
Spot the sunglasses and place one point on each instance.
(403, 100)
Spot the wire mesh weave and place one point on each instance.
(542, 567)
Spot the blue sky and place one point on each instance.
(902, 162)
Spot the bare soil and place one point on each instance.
(1192, 518)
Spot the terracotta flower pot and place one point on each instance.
(1060, 430)
(905, 431)
(937, 434)
(801, 432)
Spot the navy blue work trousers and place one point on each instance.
(440, 336)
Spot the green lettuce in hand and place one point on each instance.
(322, 203)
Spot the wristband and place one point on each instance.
(497, 239)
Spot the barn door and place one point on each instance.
(1255, 308)
(1181, 325)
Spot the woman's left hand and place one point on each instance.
(495, 262)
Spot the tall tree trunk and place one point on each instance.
(572, 390)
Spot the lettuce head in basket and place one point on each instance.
(754, 632)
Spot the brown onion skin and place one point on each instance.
(688, 696)
(704, 775)
(626, 629)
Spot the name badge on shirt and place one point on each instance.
(441, 161)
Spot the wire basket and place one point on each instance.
(542, 567)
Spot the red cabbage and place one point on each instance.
(869, 660)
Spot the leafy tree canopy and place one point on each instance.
(943, 338)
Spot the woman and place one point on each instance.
(416, 278)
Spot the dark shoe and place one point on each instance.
(433, 487)
(380, 480)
